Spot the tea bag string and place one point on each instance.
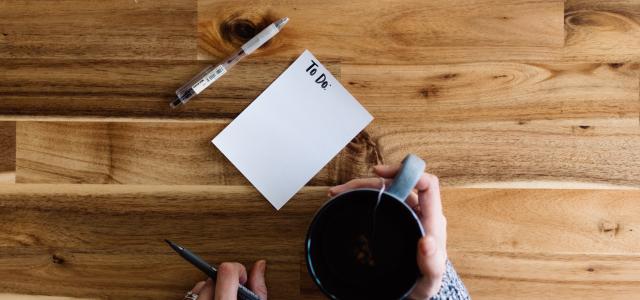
(382, 188)
(375, 209)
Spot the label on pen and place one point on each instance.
(209, 79)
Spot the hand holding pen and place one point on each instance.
(230, 279)
(230, 275)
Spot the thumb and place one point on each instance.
(256, 281)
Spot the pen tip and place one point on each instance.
(168, 242)
(175, 103)
(282, 22)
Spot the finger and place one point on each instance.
(230, 275)
(386, 171)
(198, 287)
(412, 201)
(432, 265)
(358, 183)
(429, 198)
(256, 281)
(206, 293)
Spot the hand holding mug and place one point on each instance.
(427, 204)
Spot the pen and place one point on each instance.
(243, 292)
(212, 73)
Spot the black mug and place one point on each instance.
(362, 244)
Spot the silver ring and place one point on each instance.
(191, 296)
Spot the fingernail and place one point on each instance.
(263, 265)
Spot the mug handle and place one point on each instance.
(406, 179)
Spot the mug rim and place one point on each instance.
(307, 240)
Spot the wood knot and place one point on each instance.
(616, 65)
(356, 159)
(430, 91)
(590, 269)
(365, 149)
(583, 129)
(239, 28)
(57, 259)
(578, 20)
(609, 228)
(450, 76)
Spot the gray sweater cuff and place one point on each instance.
(452, 287)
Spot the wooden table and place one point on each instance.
(529, 112)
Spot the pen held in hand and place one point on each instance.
(211, 271)
(212, 73)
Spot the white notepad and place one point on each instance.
(292, 130)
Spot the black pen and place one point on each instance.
(243, 292)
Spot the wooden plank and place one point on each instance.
(103, 241)
(604, 31)
(113, 89)
(497, 275)
(4, 296)
(404, 32)
(547, 154)
(505, 154)
(121, 29)
(93, 241)
(546, 221)
(491, 275)
(452, 92)
(150, 153)
(7, 152)
(516, 92)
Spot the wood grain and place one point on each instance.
(505, 154)
(495, 275)
(499, 275)
(431, 93)
(492, 93)
(602, 31)
(7, 152)
(121, 29)
(4, 296)
(96, 241)
(494, 154)
(103, 241)
(579, 222)
(114, 89)
(151, 153)
(496, 91)
(398, 32)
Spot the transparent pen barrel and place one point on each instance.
(186, 88)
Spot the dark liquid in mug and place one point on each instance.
(358, 256)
